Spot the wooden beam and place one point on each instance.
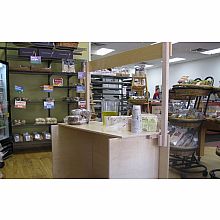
(147, 53)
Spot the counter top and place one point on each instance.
(98, 128)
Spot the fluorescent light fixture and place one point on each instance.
(148, 65)
(210, 52)
(162, 42)
(103, 51)
(176, 59)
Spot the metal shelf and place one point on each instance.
(22, 58)
(108, 76)
(116, 83)
(106, 88)
(32, 125)
(36, 73)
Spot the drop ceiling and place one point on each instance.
(187, 50)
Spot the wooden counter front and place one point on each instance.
(91, 151)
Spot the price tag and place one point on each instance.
(35, 59)
(47, 88)
(82, 104)
(58, 82)
(19, 89)
(80, 89)
(81, 75)
(20, 104)
(48, 104)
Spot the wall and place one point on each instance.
(201, 68)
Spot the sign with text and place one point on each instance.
(47, 88)
(81, 75)
(35, 59)
(58, 82)
(48, 104)
(20, 104)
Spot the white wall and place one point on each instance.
(201, 68)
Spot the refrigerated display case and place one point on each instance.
(6, 144)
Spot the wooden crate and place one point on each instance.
(67, 44)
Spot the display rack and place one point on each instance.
(36, 79)
(111, 86)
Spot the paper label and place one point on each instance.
(19, 89)
(48, 104)
(80, 89)
(35, 59)
(58, 82)
(81, 75)
(47, 88)
(20, 104)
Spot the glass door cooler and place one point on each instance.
(6, 144)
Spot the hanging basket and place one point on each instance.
(189, 123)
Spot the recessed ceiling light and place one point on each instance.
(176, 59)
(210, 52)
(104, 51)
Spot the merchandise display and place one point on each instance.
(78, 116)
(44, 62)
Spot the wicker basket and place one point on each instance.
(189, 123)
(67, 44)
(138, 101)
(182, 151)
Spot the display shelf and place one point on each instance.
(32, 145)
(36, 73)
(22, 58)
(106, 88)
(33, 125)
(114, 83)
(111, 76)
(62, 107)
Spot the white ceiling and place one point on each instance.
(180, 49)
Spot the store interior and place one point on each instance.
(65, 116)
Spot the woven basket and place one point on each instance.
(137, 101)
(185, 91)
(189, 123)
(182, 151)
(67, 44)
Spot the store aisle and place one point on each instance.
(28, 166)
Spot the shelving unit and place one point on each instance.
(32, 81)
(104, 85)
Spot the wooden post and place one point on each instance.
(164, 138)
(88, 79)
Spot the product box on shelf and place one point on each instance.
(46, 53)
(27, 52)
(63, 54)
(67, 44)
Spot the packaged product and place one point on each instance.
(149, 122)
(46, 135)
(37, 136)
(117, 122)
(27, 137)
